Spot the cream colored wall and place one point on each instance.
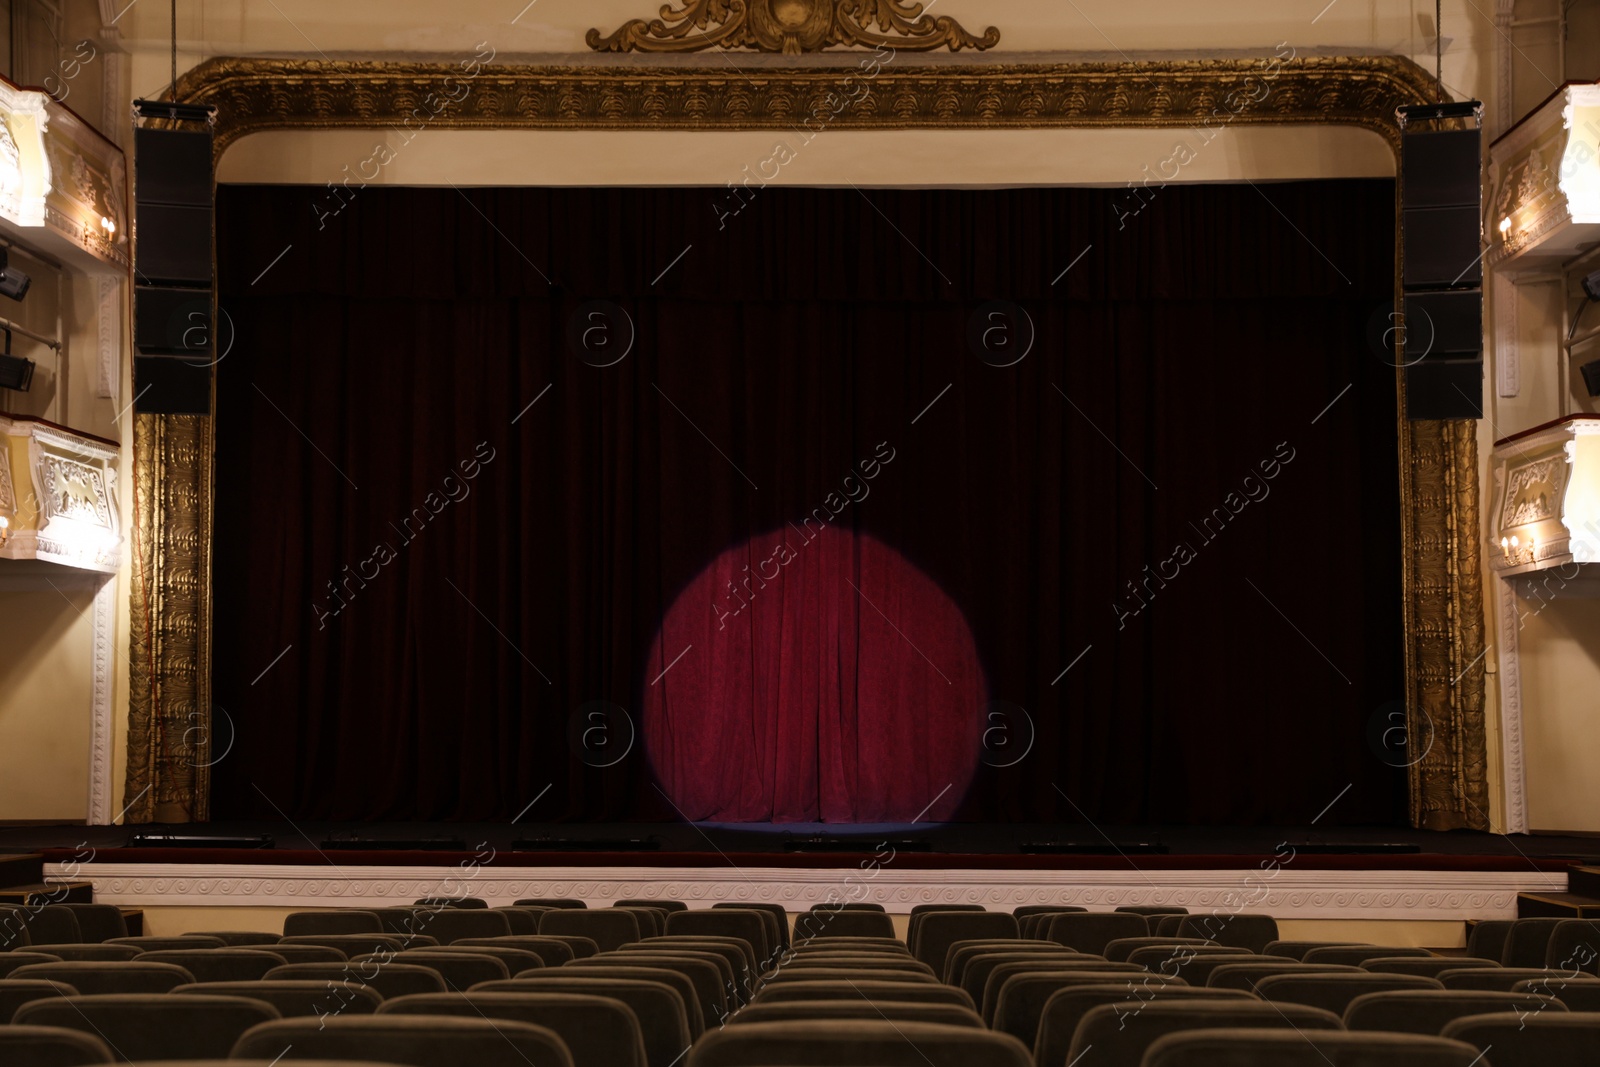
(47, 632)
(1560, 661)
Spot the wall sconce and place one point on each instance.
(108, 225)
(1516, 553)
(1505, 225)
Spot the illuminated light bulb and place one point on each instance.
(1505, 225)
(1514, 543)
(107, 225)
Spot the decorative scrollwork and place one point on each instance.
(792, 27)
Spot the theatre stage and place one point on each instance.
(1292, 873)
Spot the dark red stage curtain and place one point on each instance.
(488, 461)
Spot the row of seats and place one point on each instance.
(652, 985)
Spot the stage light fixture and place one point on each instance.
(1591, 376)
(1591, 285)
(15, 372)
(13, 282)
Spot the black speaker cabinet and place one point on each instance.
(169, 385)
(1442, 247)
(172, 167)
(172, 322)
(1441, 169)
(173, 245)
(1444, 325)
(1445, 389)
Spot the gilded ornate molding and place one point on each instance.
(1442, 592)
(169, 674)
(791, 27)
(254, 95)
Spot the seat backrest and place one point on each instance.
(294, 998)
(115, 976)
(449, 925)
(840, 922)
(1000, 974)
(98, 922)
(609, 928)
(463, 903)
(1148, 910)
(1574, 946)
(1428, 965)
(15, 961)
(523, 921)
(1245, 975)
(941, 929)
(338, 921)
(350, 944)
(13, 927)
(416, 1040)
(788, 974)
(706, 974)
(910, 1010)
(1426, 1011)
(652, 923)
(309, 953)
(1092, 931)
(1334, 990)
(1360, 954)
(53, 924)
(664, 905)
(971, 970)
(778, 912)
(387, 980)
(599, 1031)
(239, 938)
(516, 960)
(881, 1042)
(1020, 1002)
(663, 1017)
(921, 911)
(1298, 949)
(1487, 938)
(15, 992)
(1196, 968)
(1122, 1032)
(1517, 1040)
(219, 964)
(92, 953)
(50, 1046)
(552, 950)
(1324, 1048)
(1166, 925)
(460, 970)
(1119, 950)
(864, 961)
(748, 926)
(713, 942)
(151, 943)
(858, 988)
(1033, 924)
(1576, 995)
(143, 1026)
(1528, 942)
(1239, 929)
(608, 967)
(550, 902)
(1504, 978)
(1022, 911)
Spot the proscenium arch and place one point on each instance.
(1442, 586)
